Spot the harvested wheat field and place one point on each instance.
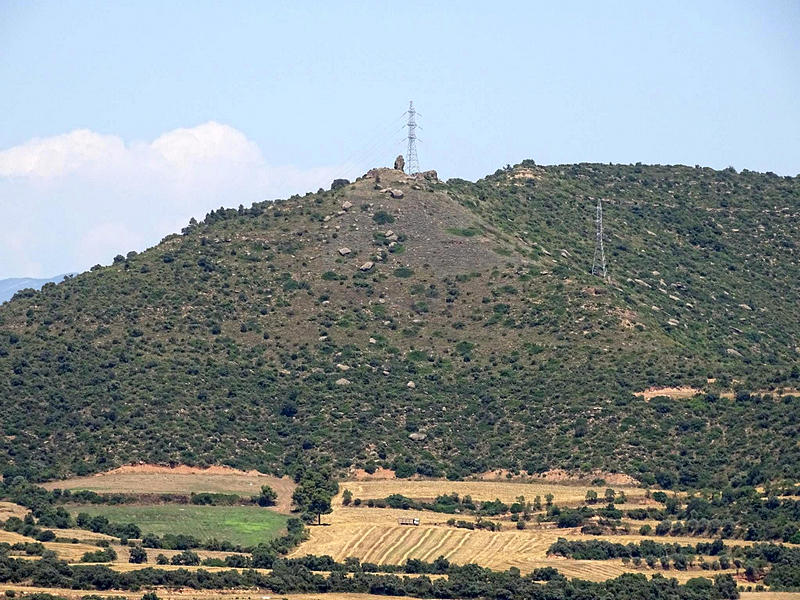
(769, 595)
(380, 539)
(65, 551)
(189, 594)
(156, 479)
(507, 491)
(9, 509)
(374, 534)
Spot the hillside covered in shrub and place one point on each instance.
(432, 328)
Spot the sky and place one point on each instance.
(119, 121)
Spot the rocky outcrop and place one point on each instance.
(399, 162)
(339, 183)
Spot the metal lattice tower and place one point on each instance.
(412, 162)
(599, 264)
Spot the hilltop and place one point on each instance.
(434, 328)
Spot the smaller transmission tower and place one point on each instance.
(412, 162)
(599, 264)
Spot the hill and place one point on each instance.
(432, 328)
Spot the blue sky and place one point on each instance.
(120, 120)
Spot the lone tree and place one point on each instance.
(320, 505)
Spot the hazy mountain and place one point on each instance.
(11, 285)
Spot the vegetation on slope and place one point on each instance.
(329, 328)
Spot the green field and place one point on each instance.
(246, 525)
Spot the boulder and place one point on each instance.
(417, 436)
(347, 205)
(342, 367)
(430, 175)
(411, 385)
(399, 162)
(344, 251)
(397, 194)
(342, 381)
(367, 265)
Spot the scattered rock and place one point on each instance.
(342, 367)
(417, 436)
(339, 183)
(373, 341)
(344, 251)
(411, 385)
(430, 175)
(326, 218)
(397, 194)
(733, 352)
(367, 265)
(347, 205)
(400, 162)
(389, 233)
(342, 381)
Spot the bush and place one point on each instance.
(382, 217)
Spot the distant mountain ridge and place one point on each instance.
(437, 328)
(11, 285)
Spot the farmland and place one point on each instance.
(374, 535)
(153, 479)
(245, 525)
(371, 534)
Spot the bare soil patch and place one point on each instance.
(676, 393)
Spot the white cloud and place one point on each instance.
(82, 197)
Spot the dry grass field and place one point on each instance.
(9, 509)
(374, 535)
(188, 594)
(65, 551)
(153, 479)
(507, 491)
(770, 595)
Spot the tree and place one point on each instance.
(267, 497)
(347, 497)
(591, 497)
(137, 555)
(320, 505)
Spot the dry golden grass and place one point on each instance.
(151, 479)
(188, 594)
(65, 551)
(374, 535)
(507, 491)
(770, 595)
(9, 509)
